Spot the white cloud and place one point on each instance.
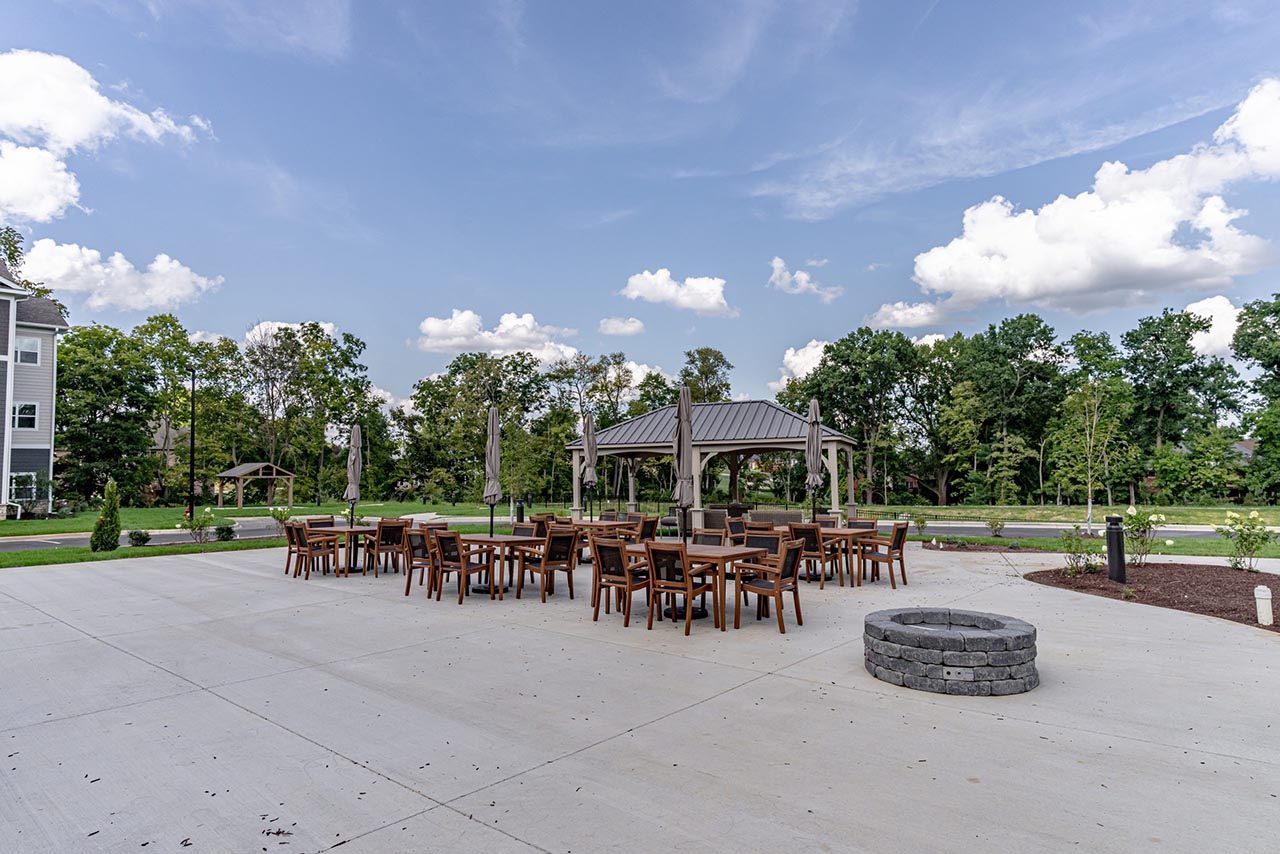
(319, 28)
(265, 328)
(114, 282)
(927, 340)
(1133, 237)
(800, 282)
(34, 184)
(817, 262)
(1224, 318)
(798, 363)
(621, 326)
(876, 265)
(464, 330)
(640, 370)
(904, 314)
(51, 107)
(202, 336)
(704, 294)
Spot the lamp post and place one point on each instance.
(191, 454)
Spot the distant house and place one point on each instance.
(29, 329)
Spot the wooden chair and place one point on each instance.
(321, 521)
(708, 537)
(314, 547)
(648, 528)
(524, 529)
(559, 553)
(454, 556)
(818, 551)
(735, 528)
(884, 550)
(758, 526)
(420, 554)
(827, 521)
(862, 524)
(387, 546)
(608, 515)
(634, 517)
(770, 582)
(293, 542)
(671, 573)
(612, 570)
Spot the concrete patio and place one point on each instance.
(208, 703)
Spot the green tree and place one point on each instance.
(167, 348)
(1257, 341)
(106, 405)
(652, 392)
(706, 373)
(106, 531)
(1175, 388)
(930, 387)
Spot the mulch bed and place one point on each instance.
(978, 547)
(1216, 591)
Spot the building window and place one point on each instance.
(22, 486)
(26, 416)
(26, 351)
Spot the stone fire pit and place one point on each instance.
(948, 651)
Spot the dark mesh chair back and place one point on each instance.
(899, 534)
(862, 524)
(666, 562)
(524, 529)
(807, 533)
(708, 538)
(609, 558)
(735, 526)
(771, 543)
(827, 521)
(391, 534)
(321, 523)
(635, 517)
(561, 544)
(419, 548)
(291, 533)
(649, 528)
(790, 561)
(608, 515)
(450, 546)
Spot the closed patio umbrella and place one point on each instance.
(589, 476)
(492, 465)
(682, 449)
(355, 465)
(813, 454)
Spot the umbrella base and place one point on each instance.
(484, 588)
(677, 613)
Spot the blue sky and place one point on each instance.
(413, 172)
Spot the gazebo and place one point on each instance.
(751, 426)
(250, 471)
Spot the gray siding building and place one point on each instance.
(29, 330)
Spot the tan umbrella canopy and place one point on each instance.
(813, 453)
(492, 464)
(589, 476)
(355, 466)
(682, 448)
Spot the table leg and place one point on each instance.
(720, 594)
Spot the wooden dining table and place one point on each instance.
(503, 544)
(719, 557)
(350, 535)
(848, 546)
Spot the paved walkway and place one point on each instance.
(208, 703)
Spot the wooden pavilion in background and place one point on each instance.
(251, 471)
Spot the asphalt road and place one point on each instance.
(265, 527)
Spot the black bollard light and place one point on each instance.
(1115, 548)
(519, 509)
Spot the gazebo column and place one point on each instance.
(695, 516)
(833, 457)
(851, 509)
(290, 493)
(240, 492)
(632, 505)
(220, 485)
(576, 510)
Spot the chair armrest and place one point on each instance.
(751, 566)
(478, 550)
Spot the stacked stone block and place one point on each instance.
(949, 651)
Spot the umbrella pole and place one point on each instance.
(491, 520)
(352, 517)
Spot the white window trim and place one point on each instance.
(39, 351)
(13, 489)
(13, 415)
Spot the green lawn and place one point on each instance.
(1050, 513)
(1188, 546)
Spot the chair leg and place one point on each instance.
(542, 580)
(595, 611)
(893, 585)
(782, 626)
(652, 600)
(902, 567)
(795, 595)
(688, 614)
(569, 575)
(626, 608)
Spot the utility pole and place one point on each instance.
(191, 461)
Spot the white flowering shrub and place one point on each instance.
(1247, 534)
(1140, 534)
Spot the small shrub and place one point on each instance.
(280, 515)
(1080, 552)
(1247, 534)
(1128, 594)
(106, 531)
(198, 525)
(139, 538)
(224, 532)
(1014, 545)
(921, 523)
(1139, 534)
(995, 526)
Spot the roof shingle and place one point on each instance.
(713, 423)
